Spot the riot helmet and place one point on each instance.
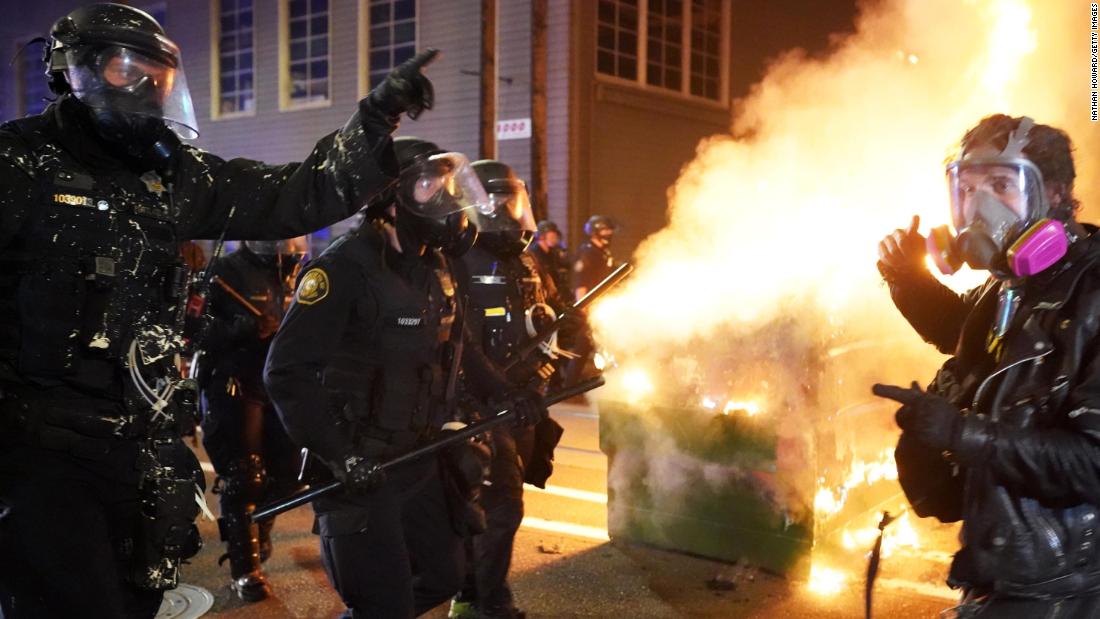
(435, 191)
(507, 226)
(600, 229)
(284, 254)
(118, 61)
(546, 227)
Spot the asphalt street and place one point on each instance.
(564, 564)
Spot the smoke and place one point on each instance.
(826, 156)
(763, 284)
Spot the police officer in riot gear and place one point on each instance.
(251, 453)
(593, 263)
(551, 256)
(365, 367)
(96, 194)
(510, 300)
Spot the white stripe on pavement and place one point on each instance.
(566, 528)
(569, 493)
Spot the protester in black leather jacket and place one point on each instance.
(1007, 436)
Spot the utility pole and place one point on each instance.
(539, 191)
(488, 79)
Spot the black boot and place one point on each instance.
(243, 551)
(266, 548)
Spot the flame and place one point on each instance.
(750, 409)
(829, 501)
(782, 216)
(830, 156)
(637, 383)
(826, 580)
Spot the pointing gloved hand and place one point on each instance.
(929, 418)
(359, 474)
(406, 89)
(527, 406)
(902, 251)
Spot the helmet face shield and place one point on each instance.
(442, 185)
(115, 78)
(509, 208)
(297, 247)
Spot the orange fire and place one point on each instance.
(830, 155)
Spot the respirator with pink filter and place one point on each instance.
(1000, 215)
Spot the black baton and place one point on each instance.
(474, 429)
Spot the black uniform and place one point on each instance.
(553, 266)
(254, 458)
(592, 265)
(363, 364)
(89, 259)
(509, 301)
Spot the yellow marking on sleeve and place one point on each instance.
(313, 287)
(494, 311)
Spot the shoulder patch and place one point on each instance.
(313, 287)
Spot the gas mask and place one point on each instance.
(1001, 220)
(434, 196)
(507, 226)
(130, 92)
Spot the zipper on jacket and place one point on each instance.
(981, 387)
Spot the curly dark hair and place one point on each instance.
(1049, 148)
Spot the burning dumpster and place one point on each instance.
(753, 457)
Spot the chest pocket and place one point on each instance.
(69, 249)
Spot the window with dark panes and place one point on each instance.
(678, 43)
(33, 88)
(617, 38)
(391, 36)
(664, 43)
(236, 93)
(308, 57)
(706, 48)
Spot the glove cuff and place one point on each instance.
(973, 442)
(374, 118)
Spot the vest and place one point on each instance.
(391, 375)
(503, 293)
(95, 263)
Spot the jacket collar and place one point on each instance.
(1048, 291)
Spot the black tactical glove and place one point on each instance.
(927, 417)
(359, 474)
(406, 90)
(534, 366)
(526, 405)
